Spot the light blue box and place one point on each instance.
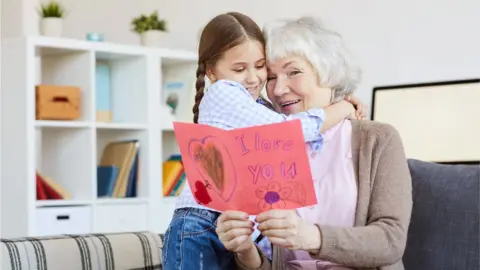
(102, 88)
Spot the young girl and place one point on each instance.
(231, 55)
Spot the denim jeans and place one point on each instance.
(191, 243)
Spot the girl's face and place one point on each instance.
(293, 86)
(244, 64)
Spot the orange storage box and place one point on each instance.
(56, 102)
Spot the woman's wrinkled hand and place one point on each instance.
(234, 229)
(286, 229)
(361, 110)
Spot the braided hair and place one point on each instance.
(199, 85)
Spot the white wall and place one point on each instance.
(395, 41)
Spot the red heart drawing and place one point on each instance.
(214, 164)
(201, 193)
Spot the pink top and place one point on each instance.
(336, 189)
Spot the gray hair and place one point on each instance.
(322, 48)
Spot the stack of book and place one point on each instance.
(174, 177)
(118, 170)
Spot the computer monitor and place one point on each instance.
(438, 122)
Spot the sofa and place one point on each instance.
(444, 225)
(443, 233)
(114, 251)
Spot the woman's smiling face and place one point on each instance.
(292, 86)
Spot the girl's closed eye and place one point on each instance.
(239, 70)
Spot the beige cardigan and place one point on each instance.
(383, 210)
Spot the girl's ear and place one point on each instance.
(210, 75)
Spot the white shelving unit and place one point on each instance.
(69, 151)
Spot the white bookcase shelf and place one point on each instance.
(69, 151)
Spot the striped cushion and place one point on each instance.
(115, 251)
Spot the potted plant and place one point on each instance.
(51, 22)
(150, 28)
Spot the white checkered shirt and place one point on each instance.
(228, 105)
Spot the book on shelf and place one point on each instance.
(118, 173)
(174, 176)
(48, 189)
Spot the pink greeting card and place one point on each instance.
(252, 169)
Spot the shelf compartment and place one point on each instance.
(107, 136)
(177, 91)
(66, 156)
(121, 94)
(63, 67)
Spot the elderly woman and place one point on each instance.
(361, 177)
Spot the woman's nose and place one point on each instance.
(280, 88)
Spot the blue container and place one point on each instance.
(95, 37)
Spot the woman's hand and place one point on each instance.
(286, 229)
(361, 110)
(234, 229)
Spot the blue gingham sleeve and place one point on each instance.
(229, 104)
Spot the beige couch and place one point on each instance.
(115, 251)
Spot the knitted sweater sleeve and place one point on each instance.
(383, 239)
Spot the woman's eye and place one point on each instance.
(260, 66)
(239, 70)
(294, 72)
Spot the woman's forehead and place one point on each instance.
(286, 62)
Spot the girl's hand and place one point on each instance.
(286, 229)
(234, 229)
(361, 110)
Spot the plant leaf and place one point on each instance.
(52, 10)
(144, 23)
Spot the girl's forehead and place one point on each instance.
(249, 51)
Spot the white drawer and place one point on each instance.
(121, 218)
(63, 220)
